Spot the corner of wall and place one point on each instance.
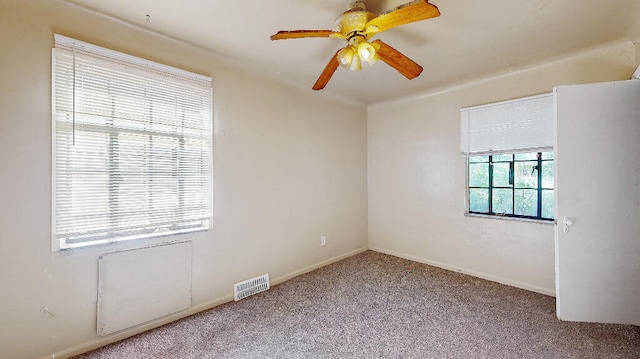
(636, 43)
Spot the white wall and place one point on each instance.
(290, 166)
(417, 177)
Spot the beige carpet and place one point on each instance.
(378, 306)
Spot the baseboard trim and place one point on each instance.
(102, 341)
(497, 279)
(313, 267)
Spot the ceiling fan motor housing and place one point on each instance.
(353, 20)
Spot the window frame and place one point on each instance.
(490, 162)
(176, 144)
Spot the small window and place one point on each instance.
(513, 185)
(132, 147)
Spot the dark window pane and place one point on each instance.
(478, 200)
(547, 174)
(520, 198)
(547, 204)
(502, 201)
(526, 202)
(526, 156)
(499, 158)
(525, 176)
(478, 175)
(501, 174)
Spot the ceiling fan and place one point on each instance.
(356, 25)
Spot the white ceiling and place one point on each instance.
(471, 38)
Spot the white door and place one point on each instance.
(597, 177)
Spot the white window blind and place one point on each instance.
(520, 125)
(132, 147)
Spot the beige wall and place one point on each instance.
(290, 166)
(417, 177)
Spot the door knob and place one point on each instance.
(567, 222)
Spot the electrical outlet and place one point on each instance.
(323, 240)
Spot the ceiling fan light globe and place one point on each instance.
(366, 51)
(356, 64)
(373, 60)
(345, 56)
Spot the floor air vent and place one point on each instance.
(251, 286)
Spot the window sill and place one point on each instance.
(124, 245)
(506, 218)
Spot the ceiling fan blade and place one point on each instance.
(398, 61)
(326, 74)
(298, 34)
(404, 14)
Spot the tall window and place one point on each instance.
(132, 147)
(508, 147)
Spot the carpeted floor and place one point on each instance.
(378, 306)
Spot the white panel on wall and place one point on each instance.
(137, 286)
